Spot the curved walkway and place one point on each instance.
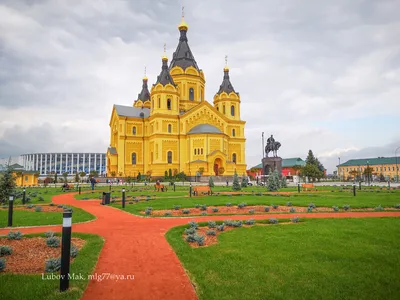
(136, 245)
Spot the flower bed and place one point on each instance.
(30, 254)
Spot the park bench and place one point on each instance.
(307, 186)
(160, 187)
(202, 190)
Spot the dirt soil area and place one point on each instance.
(29, 255)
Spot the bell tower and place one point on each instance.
(164, 93)
(227, 100)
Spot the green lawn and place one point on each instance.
(327, 199)
(315, 259)
(37, 195)
(32, 218)
(16, 286)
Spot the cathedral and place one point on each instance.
(173, 129)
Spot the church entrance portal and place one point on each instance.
(217, 165)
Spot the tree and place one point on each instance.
(83, 174)
(65, 176)
(76, 177)
(244, 181)
(129, 179)
(55, 177)
(201, 171)
(93, 173)
(113, 173)
(139, 177)
(310, 158)
(273, 183)
(283, 182)
(368, 172)
(236, 185)
(353, 173)
(7, 183)
(221, 171)
(321, 169)
(169, 173)
(181, 176)
(211, 182)
(311, 171)
(166, 174)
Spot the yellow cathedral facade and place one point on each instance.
(172, 127)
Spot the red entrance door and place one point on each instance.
(216, 169)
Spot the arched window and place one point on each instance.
(224, 109)
(169, 128)
(169, 104)
(232, 110)
(234, 157)
(201, 150)
(233, 132)
(195, 151)
(134, 130)
(159, 102)
(133, 158)
(169, 157)
(191, 94)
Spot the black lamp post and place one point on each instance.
(10, 210)
(368, 171)
(338, 170)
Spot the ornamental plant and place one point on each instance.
(53, 265)
(5, 250)
(273, 183)
(53, 242)
(235, 184)
(2, 264)
(211, 182)
(212, 224)
(211, 232)
(14, 235)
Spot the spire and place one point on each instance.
(164, 78)
(226, 85)
(144, 95)
(183, 26)
(183, 56)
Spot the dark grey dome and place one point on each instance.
(204, 128)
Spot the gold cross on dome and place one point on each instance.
(165, 48)
(144, 70)
(226, 60)
(183, 12)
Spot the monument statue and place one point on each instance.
(272, 146)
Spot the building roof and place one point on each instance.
(204, 128)
(226, 85)
(183, 56)
(198, 161)
(17, 167)
(371, 161)
(144, 95)
(133, 112)
(287, 163)
(112, 150)
(291, 162)
(165, 77)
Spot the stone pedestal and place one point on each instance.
(271, 164)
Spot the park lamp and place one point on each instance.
(24, 190)
(123, 190)
(11, 198)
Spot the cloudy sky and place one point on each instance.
(320, 75)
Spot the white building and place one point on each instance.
(72, 163)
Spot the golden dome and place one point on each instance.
(145, 77)
(226, 69)
(183, 25)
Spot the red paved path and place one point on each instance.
(136, 245)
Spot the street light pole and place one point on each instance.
(397, 168)
(368, 171)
